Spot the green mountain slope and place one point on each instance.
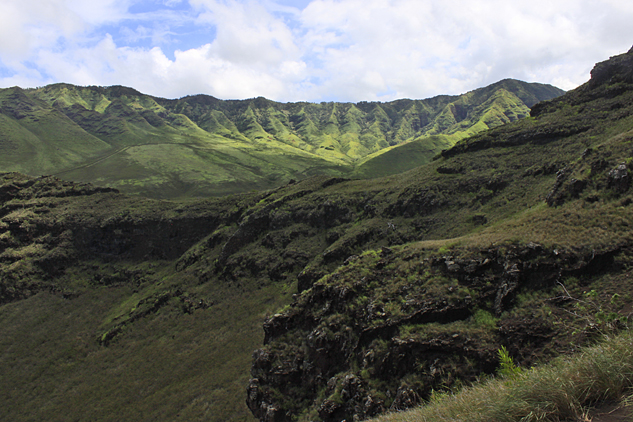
(201, 146)
(517, 237)
(35, 137)
(372, 293)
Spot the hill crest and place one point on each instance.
(202, 146)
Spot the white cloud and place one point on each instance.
(419, 46)
(247, 33)
(30, 25)
(349, 50)
(192, 71)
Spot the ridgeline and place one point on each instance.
(200, 146)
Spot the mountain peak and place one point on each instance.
(617, 69)
(608, 80)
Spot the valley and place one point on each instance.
(302, 288)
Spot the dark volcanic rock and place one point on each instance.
(344, 339)
(619, 178)
(617, 69)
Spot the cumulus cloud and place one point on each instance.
(344, 50)
(27, 26)
(419, 46)
(247, 32)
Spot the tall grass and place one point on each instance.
(562, 390)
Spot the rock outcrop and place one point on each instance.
(352, 347)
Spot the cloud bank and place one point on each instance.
(319, 50)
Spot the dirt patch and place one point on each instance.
(611, 413)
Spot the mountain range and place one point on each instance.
(200, 146)
(324, 298)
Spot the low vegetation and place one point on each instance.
(570, 388)
(535, 263)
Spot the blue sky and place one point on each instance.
(308, 50)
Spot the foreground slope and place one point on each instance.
(593, 384)
(116, 307)
(533, 253)
(202, 146)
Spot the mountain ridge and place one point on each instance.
(118, 137)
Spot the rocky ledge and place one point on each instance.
(390, 327)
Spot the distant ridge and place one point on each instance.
(202, 146)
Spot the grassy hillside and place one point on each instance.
(400, 158)
(200, 146)
(516, 239)
(99, 322)
(591, 385)
(373, 294)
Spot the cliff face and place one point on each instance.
(374, 337)
(48, 225)
(389, 326)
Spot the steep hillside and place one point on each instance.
(202, 146)
(530, 247)
(372, 293)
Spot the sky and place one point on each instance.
(308, 50)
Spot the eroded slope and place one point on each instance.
(200, 146)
